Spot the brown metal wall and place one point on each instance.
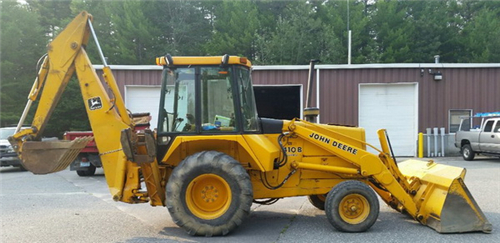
(135, 77)
(283, 77)
(340, 90)
(461, 88)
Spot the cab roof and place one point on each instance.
(202, 60)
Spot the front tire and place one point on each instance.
(209, 193)
(467, 152)
(352, 206)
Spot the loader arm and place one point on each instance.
(433, 194)
(104, 105)
(381, 167)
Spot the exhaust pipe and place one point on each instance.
(311, 113)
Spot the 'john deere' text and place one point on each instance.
(335, 144)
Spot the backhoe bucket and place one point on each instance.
(444, 202)
(51, 156)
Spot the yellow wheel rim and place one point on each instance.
(354, 208)
(208, 196)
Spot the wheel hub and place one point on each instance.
(354, 208)
(208, 196)
(466, 152)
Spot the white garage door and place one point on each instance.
(140, 99)
(393, 107)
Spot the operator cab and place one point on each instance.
(206, 95)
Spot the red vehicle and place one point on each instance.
(88, 159)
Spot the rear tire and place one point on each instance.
(467, 152)
(318, 201)
(352, 206)
(209, 193)
(90, 171)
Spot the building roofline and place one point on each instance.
(379, 66)
(330, 66)
(130, 67)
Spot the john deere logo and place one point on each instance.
(95, 103)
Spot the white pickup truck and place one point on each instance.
(483, 140)
(8, 157)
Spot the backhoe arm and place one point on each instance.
(105, 108)
(56, 70)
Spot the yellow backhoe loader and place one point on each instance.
(212, 156)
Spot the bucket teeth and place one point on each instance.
(51, 156)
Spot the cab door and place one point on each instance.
(489, 139)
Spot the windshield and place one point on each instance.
(204, 99)
(6, 132)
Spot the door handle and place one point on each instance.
(492, 136)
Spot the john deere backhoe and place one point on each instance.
(212, 156)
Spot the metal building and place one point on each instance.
(403, 98)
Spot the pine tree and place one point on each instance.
(22, 43)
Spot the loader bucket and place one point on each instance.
(444, 202)
(51, 156)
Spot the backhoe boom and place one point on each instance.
(107, 114)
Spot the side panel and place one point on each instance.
(472, 137)
(255, 152)
(490, 140)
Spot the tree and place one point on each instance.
(24, 42)
(393, 32)
(53, 15)
(432, 33)
(134, 33)
(334, 14)
(184, 26)
(266, 31)
(103, 27)
(269, 12)
(21, 44)
(363, 41)
(296, 37)
(481, 36)
(235, 24)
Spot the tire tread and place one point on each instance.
(208, 162)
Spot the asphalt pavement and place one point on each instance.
(64, 207)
